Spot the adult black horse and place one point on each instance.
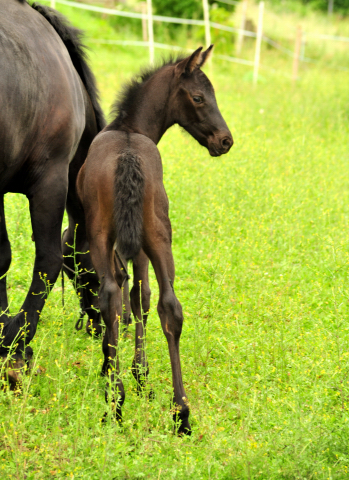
(49, 115)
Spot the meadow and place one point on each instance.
(261, 245)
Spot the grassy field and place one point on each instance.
(261, 244)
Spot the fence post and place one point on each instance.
(297, 50)
(207, 22)
(303, 45)
(258, 42)
(150, 31)
(144, 21)
(53, 3)
(330, 7)
(242, 27)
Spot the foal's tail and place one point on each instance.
(128, 205)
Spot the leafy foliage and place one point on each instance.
(340, 6)
(184, 8)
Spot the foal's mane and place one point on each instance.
(72, 39)
(131, 91)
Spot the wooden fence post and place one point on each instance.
(330, 7)
(297, 51)
(207, 22)
(242, 27)
(53, 3)
(303, 45)
(150, 31)
(258, 42)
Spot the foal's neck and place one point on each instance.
(152, 114)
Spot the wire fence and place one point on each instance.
(148, 18)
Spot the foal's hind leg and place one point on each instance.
(5, 259)
(158, 249)
(110, 301)
(121, 277)
(140, 304)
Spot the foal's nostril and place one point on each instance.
(226, 142)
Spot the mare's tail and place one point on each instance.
(128, 205)
(71, 37)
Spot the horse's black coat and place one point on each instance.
(49, 115)
(72, 39)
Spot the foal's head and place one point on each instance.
(195, 107)
(176, 92)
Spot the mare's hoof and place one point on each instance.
(14, 371)
(15, 366)
(93, 329)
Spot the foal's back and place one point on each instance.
(108, 153)
(104, 156)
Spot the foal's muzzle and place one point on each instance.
(220, 144)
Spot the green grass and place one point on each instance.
(261, 245)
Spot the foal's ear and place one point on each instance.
(187, 65)
(205, 56)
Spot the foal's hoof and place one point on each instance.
(93, 328)
(184, 428)
(181, 419)
(116, 414)
(150, 395)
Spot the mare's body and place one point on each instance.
(123, 196)
(49, 115)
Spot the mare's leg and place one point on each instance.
(46, 201)
(76, 257)
(75, 244)
(140, 304)
(158, 248)
(5, 258)
(110, 301)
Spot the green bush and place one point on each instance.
(339, 6)
(185, 8)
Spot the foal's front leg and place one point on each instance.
(110, 302)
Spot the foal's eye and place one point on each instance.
(197, 99)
